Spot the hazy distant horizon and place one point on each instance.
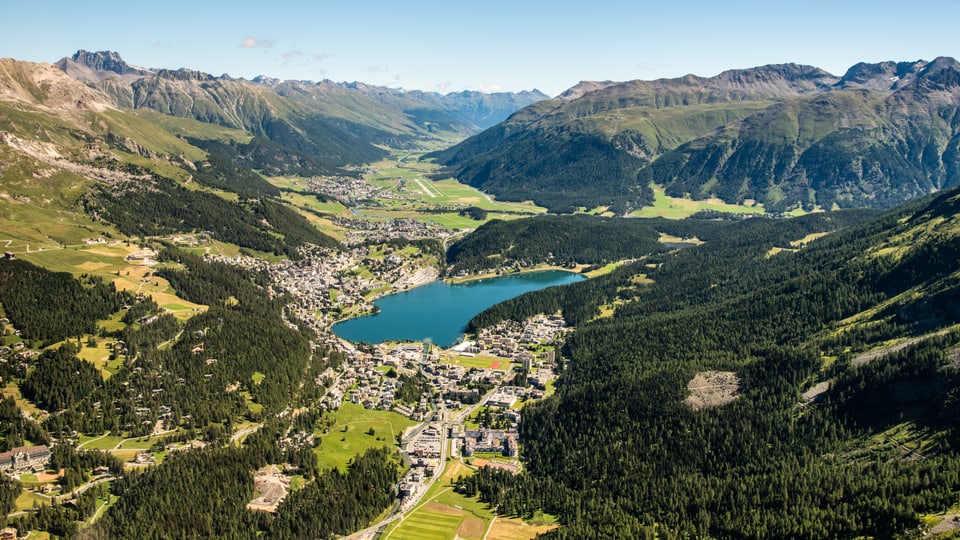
(497, 46)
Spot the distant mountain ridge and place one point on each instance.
(475, 110)
(299, 127)
(96, 66)
(785, 135)
(73, 165)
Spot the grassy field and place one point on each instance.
(450, 220)
(28, 500)
(109, 262)
(25, 228)
(102, 260)
(339, 446)
(444, 513)
(138, 443)
(604, 270)
(107, 442)
(25, 405)
(451, 191)
(480, 361)
(99, 356)
(312, 203)
(140, 279)
(676, 208)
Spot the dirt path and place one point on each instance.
(490, 527)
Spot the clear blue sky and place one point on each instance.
(488, 45)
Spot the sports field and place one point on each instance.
(480, 361)
(444, 513)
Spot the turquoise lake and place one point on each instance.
(440, 311)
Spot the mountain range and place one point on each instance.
(95, 139)
(824, 350)
(319, 127)
(787, 136)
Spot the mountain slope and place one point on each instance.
(785, 135)
(300, 127)
(845, 148)
(312, 144)
(619, 450)
(76, 167)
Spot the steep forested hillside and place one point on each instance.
(787, 136)
(619, 452)
(560, 240)
(52, 306)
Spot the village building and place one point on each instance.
(25, 458)
(502, 399)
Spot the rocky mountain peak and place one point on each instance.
(772, 72)
(880, 76)
(98, 66)
(585, 87)
(943, 70)
(185, 74)
(266, 81)
(102, 61)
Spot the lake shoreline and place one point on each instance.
(440, 310)
(539, 268)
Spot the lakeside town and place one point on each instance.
(471, 394)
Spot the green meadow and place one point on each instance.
(443, 513)
(677, 208)
(348, 437)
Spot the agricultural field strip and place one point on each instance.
(425, 189)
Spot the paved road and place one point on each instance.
(239, 435)
(409, 503)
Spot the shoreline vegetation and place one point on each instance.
(578, 269)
